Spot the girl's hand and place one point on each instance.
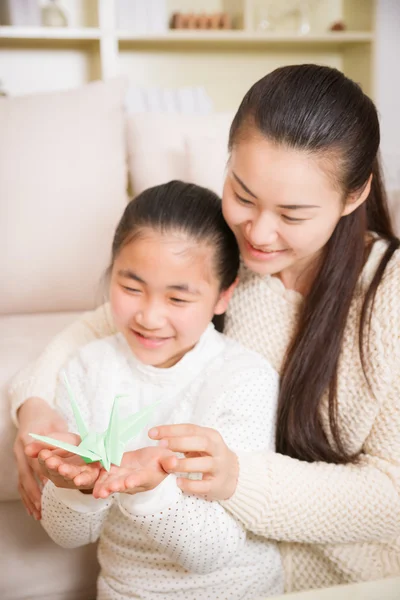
(205, 452)
(63, 468)
(34, 416)
(140, 471)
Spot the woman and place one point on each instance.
(318, 297)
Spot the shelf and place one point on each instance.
(244, 37)
(49, 33)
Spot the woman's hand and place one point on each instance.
(140, 471)
(205, 452)
(34, 416)
(65, 469)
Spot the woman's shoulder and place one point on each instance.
(377, 253)
(385, 313)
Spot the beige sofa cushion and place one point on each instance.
(157, 145)
(22, 338)
(62, 190)
(33, 567)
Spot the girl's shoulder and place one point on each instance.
(237, 359)
(92, 356)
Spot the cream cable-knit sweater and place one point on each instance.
(336, 524)
(162, 543)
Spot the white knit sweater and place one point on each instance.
(336, 524)
(163, 543)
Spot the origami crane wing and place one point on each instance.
(107, 447)
(78, 417)
(120, 432)
(85, 453)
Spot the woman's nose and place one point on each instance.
(262, 231)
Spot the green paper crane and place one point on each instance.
(107, 447)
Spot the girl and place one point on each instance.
(172, 269)
(318, 297)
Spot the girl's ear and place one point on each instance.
(355, 200)
(224, 298)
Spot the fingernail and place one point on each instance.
(153, 432)
(163, 443)
(37, 506)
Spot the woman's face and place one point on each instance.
(281, 206)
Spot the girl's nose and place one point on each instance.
(150, 317)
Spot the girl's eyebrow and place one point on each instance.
(130, 275)
(240, 182)
(179, 287)
(184, 287)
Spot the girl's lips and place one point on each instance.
(149, 341)
(259, 254)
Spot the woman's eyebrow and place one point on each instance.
(297, 206)
(240, 182)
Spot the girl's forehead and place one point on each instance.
(160, 258)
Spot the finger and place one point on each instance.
(189, 444)
(203, 464)
(182, 430)
(29, 507)
(99, 483)
(196, 487)
(86, 479)
(70, 470)
(28, 481)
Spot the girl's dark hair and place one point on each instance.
(319, 110)
(188, 209)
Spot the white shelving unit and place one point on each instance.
(225, 62)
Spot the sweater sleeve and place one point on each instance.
(200, 535)
(38, 379)
(71, 518)
(286, 499)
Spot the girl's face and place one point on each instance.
(163, 294)
(281, 206)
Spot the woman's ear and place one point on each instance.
(355, 200)
(224, 298)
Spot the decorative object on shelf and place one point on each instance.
(286, 15)
(20, 13)
(201, 21)
(53, 15)
(142, 16)
(338, 26)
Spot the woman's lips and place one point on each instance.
(260, 254)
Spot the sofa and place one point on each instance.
(68, 163)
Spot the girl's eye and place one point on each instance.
(243, 200)
(178, 301)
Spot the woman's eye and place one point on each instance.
(243, 200)
(292, 219)
(129, 289)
